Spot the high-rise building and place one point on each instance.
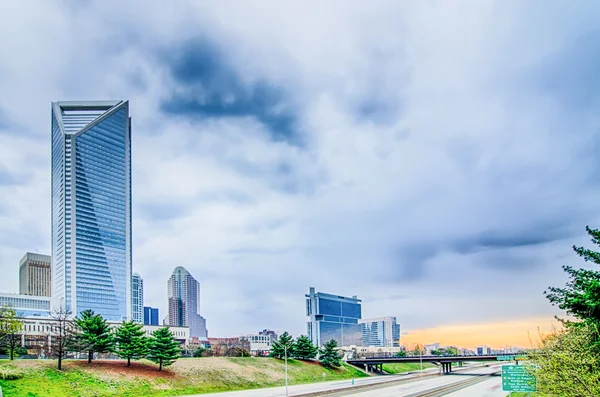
(137, 298)
(91, 207)
(382, 331)
(35, 277)
(184, 303)
(333, 317)
(150, 315)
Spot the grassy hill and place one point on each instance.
(187, 376)
(398, 368)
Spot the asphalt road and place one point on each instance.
(413, 385)
(427, 385)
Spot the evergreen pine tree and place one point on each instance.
(95, 333)
(581, 296)
(130, 341)
(163, 349)
(304, 349)
(329, 356)
(277, 348)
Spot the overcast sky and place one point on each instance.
(437, 159)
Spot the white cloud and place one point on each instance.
(459, 153)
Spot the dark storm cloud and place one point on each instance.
(540, 234)
(210, 86)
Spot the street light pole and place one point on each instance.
(285, 353)
(286, 370)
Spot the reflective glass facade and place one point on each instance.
(382, 332)
(333, 317)
(91, 207)
(184, 303)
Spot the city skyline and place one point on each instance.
(341, 156)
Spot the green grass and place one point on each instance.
(399, 368)
(187, 376)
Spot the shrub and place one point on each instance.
(10, 372)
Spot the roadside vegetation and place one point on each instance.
(568, 360)
(399, 368)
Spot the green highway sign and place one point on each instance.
(518, 378)
(505, 358)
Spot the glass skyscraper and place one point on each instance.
(333, 317)
(91, 207)
(184, 303)
(382, 332)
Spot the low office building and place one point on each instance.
(35, 277)
(381, 331)
(150, 315)
(483, 350)
(27, 305)
(333, 317)
(258, 343)
(38, 332)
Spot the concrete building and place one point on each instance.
(38, 333)
(270, 333)
(483, 350)
(35, 276)
(184, 303)
(150, 315)
(258, 343)
(431, 347)
(91, 207)
(381, 331)
(333, 317)
(27, 305)
(137, 298)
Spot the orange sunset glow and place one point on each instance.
(517, 333)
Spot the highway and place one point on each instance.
(463, 384)
(478, 379)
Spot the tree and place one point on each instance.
(163, 348)
(199, 352)
(401, 353)
(417, 350)
(278, 349)
(581, 296)
(304, 349)
(451, 351)
(95, 333)
(329, 356)
(11, 327)
(130, 341)
(63, 335)
(567, 366)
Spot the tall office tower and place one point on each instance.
(382, 332)
(184, 303)
(91, 207)
(333, 317)
(137, 298)
(35, 277)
